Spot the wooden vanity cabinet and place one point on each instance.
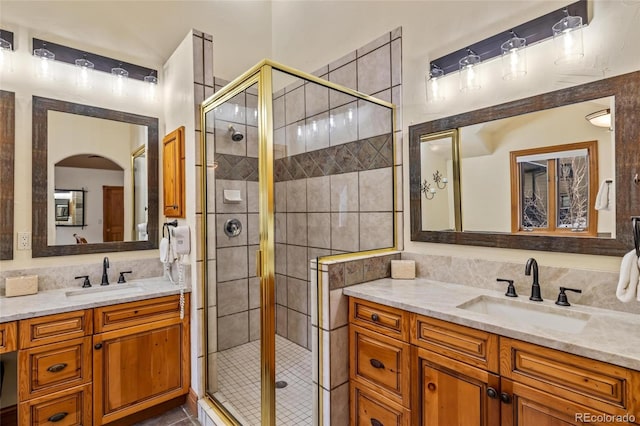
(8, 337)
(95, 366)
(461, 376)
(140, 356)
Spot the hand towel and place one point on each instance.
(602, 199)
(629, 277)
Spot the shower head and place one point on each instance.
(236, 136)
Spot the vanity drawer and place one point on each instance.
(369, 408)
(115, 317)
(383, 319)
(8, 337)
(69, 408)
(596, 384)
(381, 362)
(475, 347)
(54, 367)
(55, 328)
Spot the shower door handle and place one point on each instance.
(259, 263)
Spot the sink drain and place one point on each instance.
(281, 384)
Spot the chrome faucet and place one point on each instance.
(535, 286)
(105, 266)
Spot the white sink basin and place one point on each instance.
(529, 313)
(106, 291)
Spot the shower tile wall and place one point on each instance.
(334, 172)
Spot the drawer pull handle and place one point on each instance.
(55, 368)
(376, 422)
(492, 393)
(375, 363)
(58, 416)
(431, 386)
(98, 346)
(505, 397)
(374, 317)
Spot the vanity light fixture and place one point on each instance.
(441, 181)
(432, 82)
(469, 77)
(83, 72)
(564, 25)
(600, 118)
(152, 83)
(567, 37)
(514, 57)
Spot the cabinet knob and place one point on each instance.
(98, 346)
(55, 368)
(57, 417)
(375, 363)
(376, 422)
(505, 397)
(492, 393)
(431, 386)
(374, 317)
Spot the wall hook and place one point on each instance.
(635, 179)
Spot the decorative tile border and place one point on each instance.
(236, 167)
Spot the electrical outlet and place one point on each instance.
(24, 240)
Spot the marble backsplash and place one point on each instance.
(598, 288)
(54, 277)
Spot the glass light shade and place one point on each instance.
(514, 58)
(119, 75)
(567, 38)
(6, 50)
(469, 76)
(433, 85)
(46, 56)
(152, 83)
(83, 73)
(151, 79)
(600, 118)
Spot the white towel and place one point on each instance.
(602, 199)
(629, 277)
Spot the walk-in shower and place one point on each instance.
(297, 168)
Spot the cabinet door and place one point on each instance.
(527, 406)
(456, 394)
(138, 367)
(173, 173)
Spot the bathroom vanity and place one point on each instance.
(105, 354)
(423, 352)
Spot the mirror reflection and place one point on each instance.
(95, 154)
(542, 172)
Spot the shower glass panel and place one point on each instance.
(296, 169)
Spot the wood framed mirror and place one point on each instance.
(7, 153)
(623, 93)
(79, 156)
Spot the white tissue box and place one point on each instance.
(403, 269)
(21, 286)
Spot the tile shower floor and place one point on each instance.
(239, 383)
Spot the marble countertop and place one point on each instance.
(609, 336)
(76, 298)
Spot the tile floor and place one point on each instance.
(239, 383)
(179, 416)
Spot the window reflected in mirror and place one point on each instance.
(553, 189)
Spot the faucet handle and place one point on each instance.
(121, 278)
(562, 297)
(86, 283)
(511, 290)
